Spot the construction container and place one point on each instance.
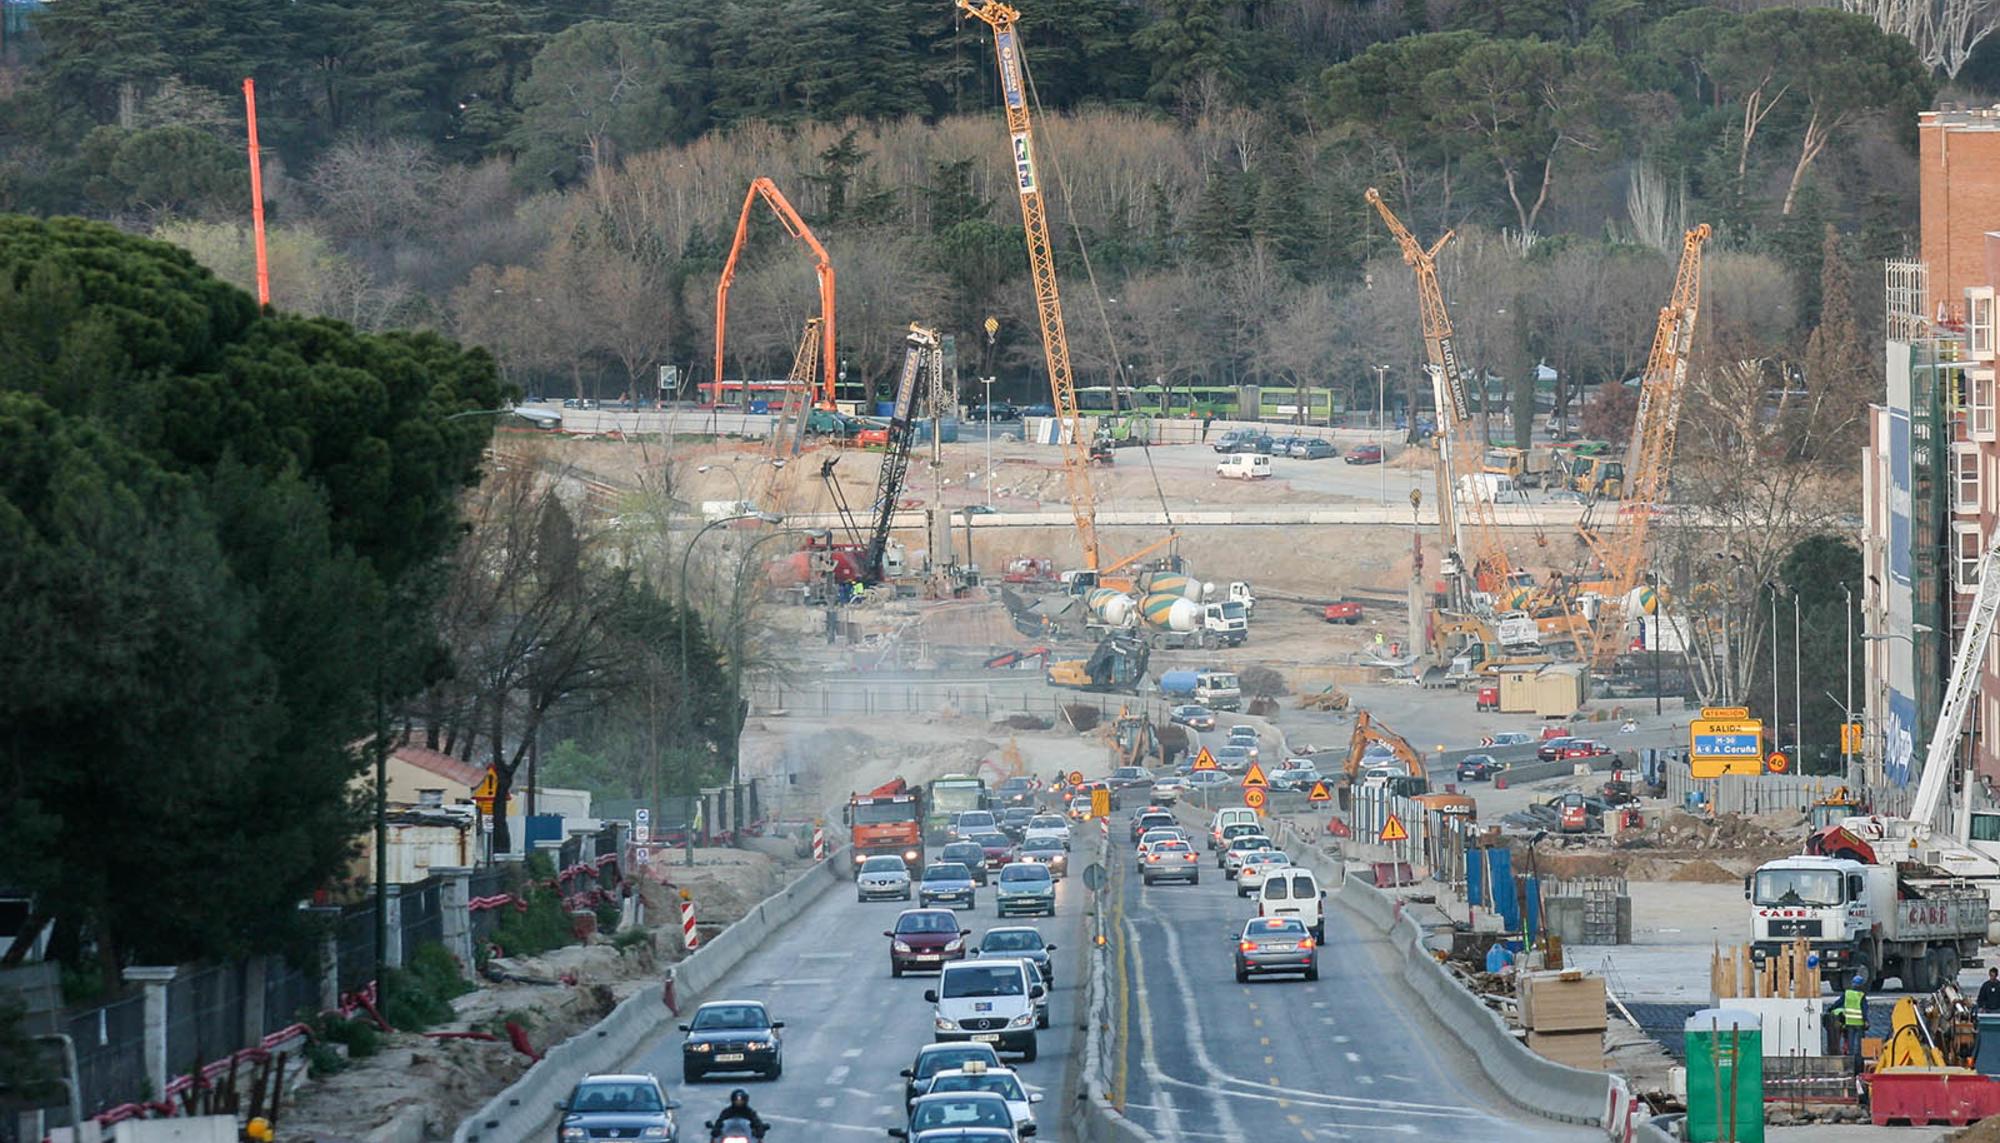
(1564, 1001)
(1725, 1076)
(1572, 1049)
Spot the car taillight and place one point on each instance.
(1306, 944)
(1187, 857)
(1247, 946)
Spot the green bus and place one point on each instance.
(949, 795)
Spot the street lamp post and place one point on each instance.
(988, 418)
(733, 475)
(1847, 703)
(687, 770)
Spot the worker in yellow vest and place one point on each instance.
(1853, 1014)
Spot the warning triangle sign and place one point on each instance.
(1204, 760)
(1254, 777)
(1320, 793)
(1392, 830)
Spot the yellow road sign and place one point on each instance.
(1726, 713)
(1850, 738)
(1778, 762)
(1076, 777)
(1320, 793)
(1392, 830)
(1254, 798)
(487, 790)
(1254, 777)
(1204, 760)
(1718, 746)
(1100, 803)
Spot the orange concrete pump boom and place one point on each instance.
(822, 265)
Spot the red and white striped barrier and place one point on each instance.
(819, 842)
(688, 938)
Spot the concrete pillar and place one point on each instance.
(587, 845)
(454, 891)
(554, 851)
(155, 978)
(329, 970)
(392, 952)
(255, 970)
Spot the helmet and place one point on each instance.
(1859, 980)
(739, 1098)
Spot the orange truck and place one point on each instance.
(888, 820)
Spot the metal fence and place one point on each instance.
(110, 1052)
(204, 1016)
(1746, 793)
(489, 882)
(981, 699)
(290, 992)
(354, 938)
(423, 915)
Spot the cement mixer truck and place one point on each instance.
(1177, 621)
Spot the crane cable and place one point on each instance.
(1090, 272)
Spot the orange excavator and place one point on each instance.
(1367, 733)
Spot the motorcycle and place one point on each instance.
(732, 1129)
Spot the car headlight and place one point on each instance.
(1022, 1021)
(574, 1133)
(755, 1046)
(701, 1047)
(945, 1025)
(901, 947)
(956, 944)
(653, 1133)
(910, 855)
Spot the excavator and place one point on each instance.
(1368, 732)
(1118, 664)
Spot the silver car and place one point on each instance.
(881, 878)
(1276, 944)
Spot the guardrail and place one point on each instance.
(526, 1108)
(1094, 1119)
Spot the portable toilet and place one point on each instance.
(1725, 1076)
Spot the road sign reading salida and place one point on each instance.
(1254, 798)
(1254, 777)
(1204, 760)
(1392, 830)
(1320, 793)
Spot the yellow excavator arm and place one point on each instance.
(1367, 731)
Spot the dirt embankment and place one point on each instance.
(1681, 847)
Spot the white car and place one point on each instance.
(1167, 791)
(1206, 779)
(977, 1075)
(1046, 825)
(1240, 848)
(1250, 874)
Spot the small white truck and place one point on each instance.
(1908, 921)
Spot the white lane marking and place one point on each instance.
(851, 1054)
(825, 1101)
(873, 1130)
(1168, 1123)
(797, 981)
(855, 1091)
(1197, 1038)
(1346, 1104)
(849, 955)
(837, 1076)
(1353, 1057)
(1364, 1079)
(1398, 1079)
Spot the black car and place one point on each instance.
(732, 1036)
(970, 854)
(1023, 942)
(997, 411)
(1478, 768)
(617, 1107)
(934, 1058)
(1130, 778)
(1552, 748)
(1014, 820)
(1015, 792)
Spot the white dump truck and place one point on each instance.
(1908, 921)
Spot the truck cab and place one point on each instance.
(1908, 921)
(1218, 690)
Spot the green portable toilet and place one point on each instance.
(1725, 1076)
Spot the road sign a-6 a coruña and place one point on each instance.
(1718, 746)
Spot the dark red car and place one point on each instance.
(924, 938)
(1364, 454)
(1552, 749)
(1583, 748)
(999, 848)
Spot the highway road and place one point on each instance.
(850, 1028)
(1353, 1055)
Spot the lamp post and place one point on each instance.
(988, 418)
(1653, 579)
(687, 770)
(1847, 703)
(736, 624)
(733, 475)
(1909, 637)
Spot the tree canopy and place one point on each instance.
(216, 534)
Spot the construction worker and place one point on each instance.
(1989, 992)
(1853, 1013)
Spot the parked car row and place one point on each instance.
(1268, 444)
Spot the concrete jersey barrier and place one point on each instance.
(527, 1105)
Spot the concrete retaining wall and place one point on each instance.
(526, 1107)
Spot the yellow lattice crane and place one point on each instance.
(1481, 555)
(1622, 548)
(1042, 264)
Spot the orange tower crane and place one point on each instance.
(765, 189)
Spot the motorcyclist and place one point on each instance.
(739, 1108)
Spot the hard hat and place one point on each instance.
(258, 1129)
(1859, 979)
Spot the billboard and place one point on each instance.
(1899, 739)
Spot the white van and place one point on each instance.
(1295, 892)
(1244, 466)
(1234, 815)
(988, 1002)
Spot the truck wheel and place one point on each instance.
(1917, 974)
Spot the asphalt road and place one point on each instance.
(1353, 1055)
(850, 1028)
